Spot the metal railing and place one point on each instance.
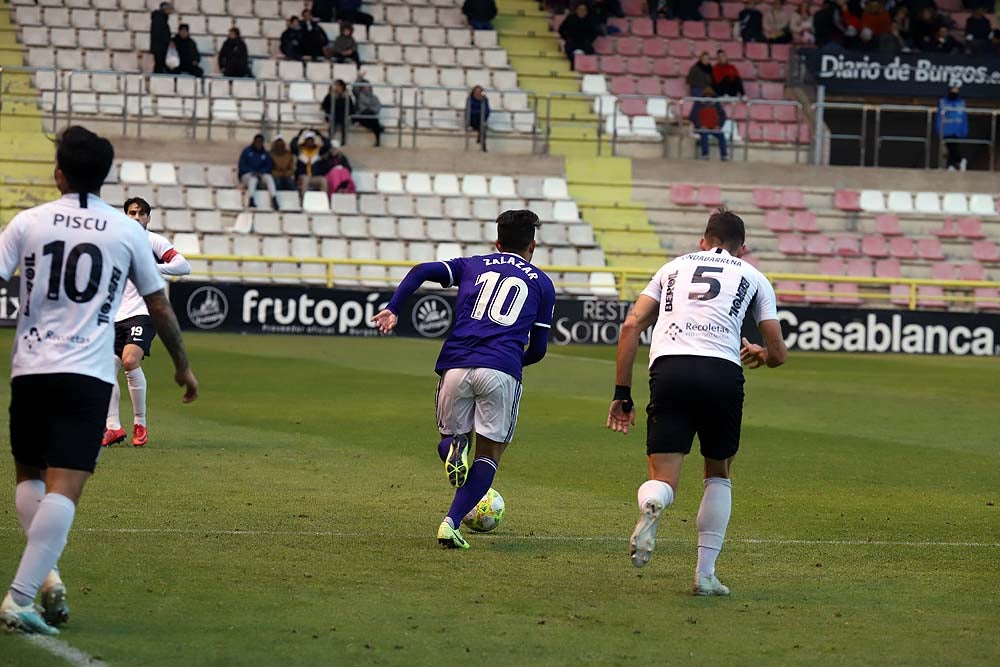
(628, 282)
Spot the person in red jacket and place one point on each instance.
(726, 79)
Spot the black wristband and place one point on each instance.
(623, 393)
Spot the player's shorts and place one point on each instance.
(483, 400)
(57, 420)
(691, 395)
(136, 330)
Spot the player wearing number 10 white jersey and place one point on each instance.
(698, 303)
(74, 255)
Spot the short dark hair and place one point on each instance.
(725, 229)
(516, 229)
(144, 206)
(184, 26)
(84, 159)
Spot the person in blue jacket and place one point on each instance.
(953, 123)
(478, 112)
(255, 166)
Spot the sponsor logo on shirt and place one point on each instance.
(432, 316)
(707, 330)
(674, 331)
(65, 340)
(32, 338)
(207, 307)
(668, 295)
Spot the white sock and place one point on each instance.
(27, 496)
(46, 541)
(713, 518)
(655, 490)
(113, 421)
(137, 390)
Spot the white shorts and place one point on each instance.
(483, 400)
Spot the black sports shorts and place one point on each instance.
(136, 330)
(691, 395)
(57, 420)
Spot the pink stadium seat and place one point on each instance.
(676, 88)
(781, 52)
(557, 21)
(948, 230)
(786, 113)
(654, 48)
(666, 67)
(846, 246)
(772, 91)
(642, 27)
(805, 133)
(987, 298)
(778, 221)
(771, 71)
(603, 46)
(971, 271)
(682, 194)
(737, 111)
(710, 195)
(719, 30)
(746, 69)
(752, 89)
(633, 106)
(669, 29)
(634, 7)
(765, 198)
(831, 266)
(818, 244)
(622, 85)
(761, 112)
(651, 86)
(943, 271)
(819, 292)
(585, 64)
(970, 228)
(901, 247)
(900, 295)
(756, 51)
(629, 46)
(791, 244)
(639, 65)
(693, 29)
(734, 50)
(888, 268)
(931, 296)
(793, 199)
(710, 10)
(929, 249)
(874, 246)
(613, 64)
(731, 10)
(888, 225)
(623, 24)
(751, 259)
(846, 293)
(805, 222)
(847, 200)
(679, 48)
(781, 286)
(859, 268)
(755, 131)
(775, 133)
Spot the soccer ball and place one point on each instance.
(487, 514)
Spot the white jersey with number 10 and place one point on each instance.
(704, 297)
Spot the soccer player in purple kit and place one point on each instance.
(504, 304)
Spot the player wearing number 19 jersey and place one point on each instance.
(698, 303)
(504, 303)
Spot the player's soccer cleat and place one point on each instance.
(113, 437)
(139, 436)
(456, 466)
(451, 538)
(706, 585)
(55, 611)
(26, 618)
(644, 536)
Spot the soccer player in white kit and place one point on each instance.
(74, 255)
(698, 303)
(134, 333)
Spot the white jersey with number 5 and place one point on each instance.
(132, 302)
(703, 299)
(74, 262)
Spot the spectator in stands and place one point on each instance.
(187, 51)
(726, 80)
(350, 11)
(875, 22)
(480, 13)
(972, 5)
(781, 24)
(367, 107)
(995, 43)
(312, 154)
(578, 33)
(943, 43)
(599, 13)
(827, 28)
(708, 118)
(751, 23)
(687, 10)
(282, 164)
(345, 47)
(335, 106)
(901, 17)
(324, 10)
(314, 38)
(291, 39)
(977, 32)
(477, 111)
(699, 77)
(234, 59)
(849, 15)
(338, 179)
(159, 36)
(254, 166)
(953, 123)
(892, 42)
(924, 28)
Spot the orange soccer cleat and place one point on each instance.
(113, 437)
(139, 436)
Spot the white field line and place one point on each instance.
(61, 649)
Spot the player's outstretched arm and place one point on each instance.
(166, 326)
(643, 314)
(385, 320)
(176, 266)
(772, 354)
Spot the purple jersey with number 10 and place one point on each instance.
(500, 298)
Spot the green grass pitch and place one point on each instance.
(289, 517)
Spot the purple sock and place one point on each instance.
(478, 482)
(443, 447)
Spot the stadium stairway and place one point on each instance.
(602, 186)
(26, 152)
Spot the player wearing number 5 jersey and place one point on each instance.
(697, 304)
(504, 303)
(134, 333)
(74, 255)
